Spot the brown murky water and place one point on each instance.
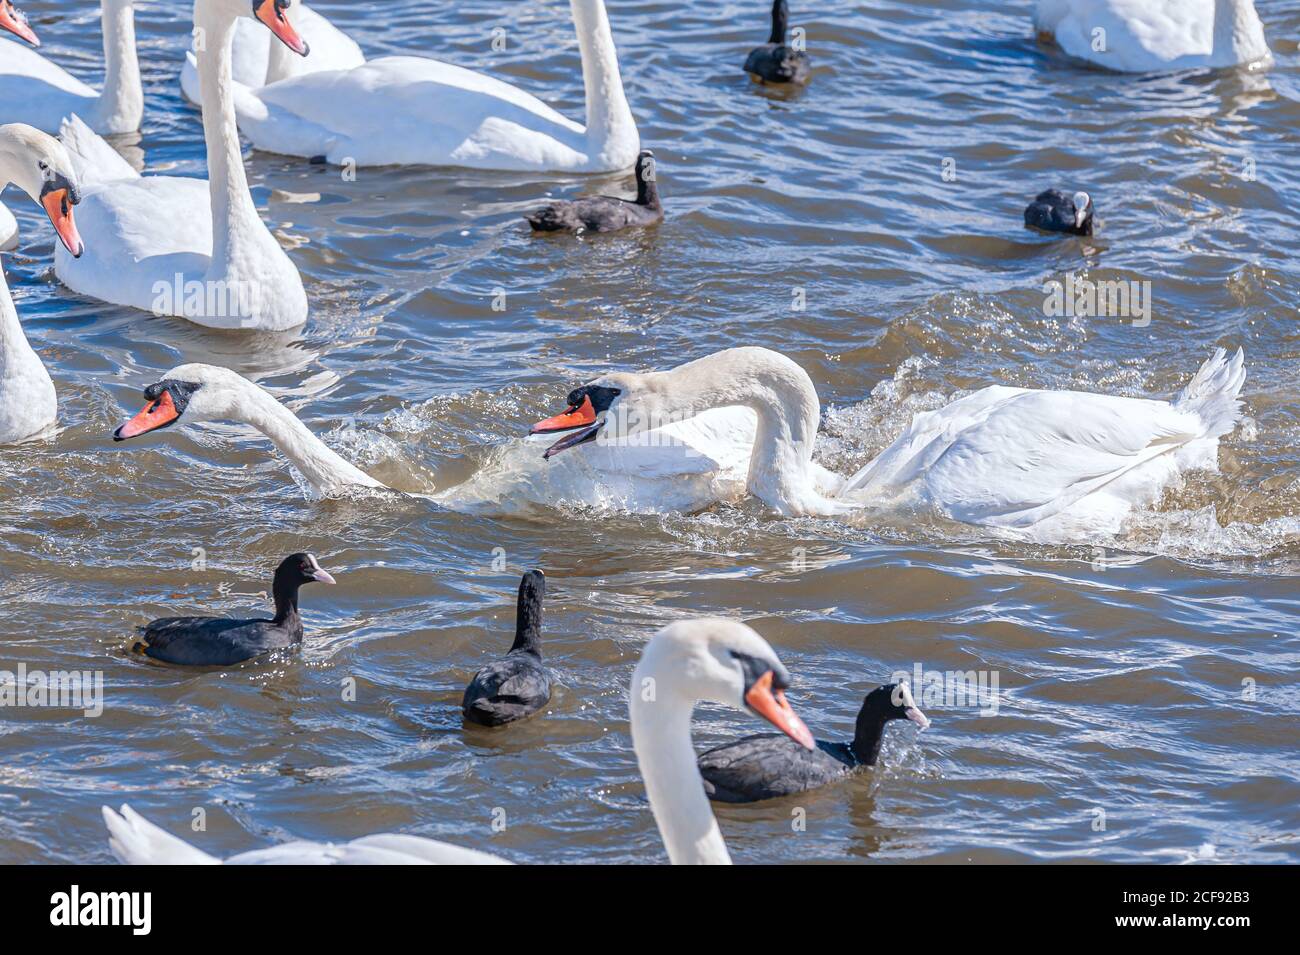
(1121, 664)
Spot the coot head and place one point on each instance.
(893, 702)
(299, 569)
(1082, 211)
(1054, 211)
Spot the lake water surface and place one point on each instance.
(1124, 729)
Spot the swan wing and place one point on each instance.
(139, 233)
(412, 110)
(1012, 457)
(383, 849)
(926, 439)
(135, 840)
(331, 49)
(93, 159)
(37, 92)
(719, 440)
(8, 229)
(1045, 451)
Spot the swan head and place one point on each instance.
(274, 15)
(38, 164)
(193, 392)
(15, 21)
(621, 406)
(715, 660)
(1082, 209)
(590, 409)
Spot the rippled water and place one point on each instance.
(1120, 665)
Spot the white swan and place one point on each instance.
(181, 246)
(411, 110)
(258, 61)
(1042, 463)
(33, 90)
(707, 660)
(38, 164)
(198, 392)
(1150, 36)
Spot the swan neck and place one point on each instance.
(18, 360)
(324, 469)
(610, 127)
(13, 341)
(1234, 21)
(121, 103)
(661, 737)
(783, 397)
(234, 217)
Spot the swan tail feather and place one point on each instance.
(135, 840)
(1213, 394)
(93, 159)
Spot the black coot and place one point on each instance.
(771, 764)
(605, 213)
(774, 62)
(216, 641)
(1054, 211)
(517, 685)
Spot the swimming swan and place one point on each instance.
(36, 163)
(1016, 458)
(183, 246)
(33, 90)
(412, 110)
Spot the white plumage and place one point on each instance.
(1044, 464)
(172, 245)
(1148, 36)
(412, 110)
(260, 59)
(41, 93)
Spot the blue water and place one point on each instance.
(1122, 664)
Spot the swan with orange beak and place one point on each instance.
(38, 164)
(15, 21)
(154, 237)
